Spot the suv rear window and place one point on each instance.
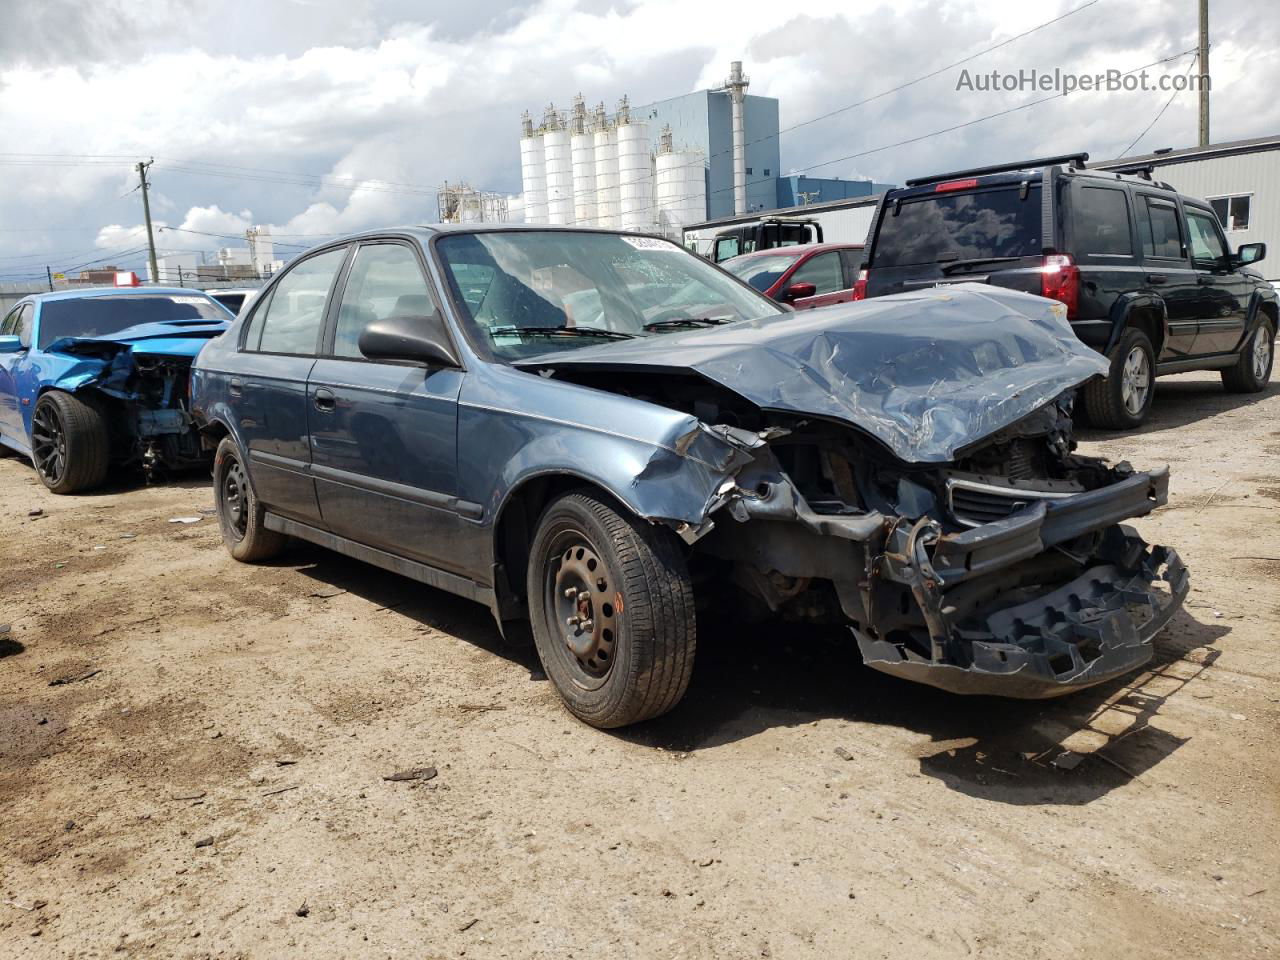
(1102, 223)
(960, 226)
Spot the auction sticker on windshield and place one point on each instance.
(651, 243)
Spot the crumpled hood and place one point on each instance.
(179, 338)
(927, 372)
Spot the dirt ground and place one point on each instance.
(217, 786)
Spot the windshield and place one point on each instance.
(104, 316)
(761, 272)
(941, 228)
(531, 291)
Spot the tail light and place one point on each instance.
(1060, 280)
(860, 286)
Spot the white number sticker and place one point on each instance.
(189, 300)
(651, 243)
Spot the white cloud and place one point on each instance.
(399, 100)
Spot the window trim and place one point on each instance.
(1149, 198)
(331, 318)
(1226, 227)
(265, 301)
(31, 330)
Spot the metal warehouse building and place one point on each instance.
(1241, 179)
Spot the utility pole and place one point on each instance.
(146, 212)
(1204, 73)
(49, 273)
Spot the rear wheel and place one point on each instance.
(239, 514)
(1122, 399)
(70, 445)
(612, 610)
(1252, 371)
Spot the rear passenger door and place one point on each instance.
(1223, 292)
(1167, 273)
(384, 434)
(281, 341)
(827, 274)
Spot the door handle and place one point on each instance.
(325, 400)
(1204, 281)
(1156, 279)
(236, 386)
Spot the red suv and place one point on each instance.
(809, 275)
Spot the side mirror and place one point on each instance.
(11, 344)
(417, 339)
(1251, 253)
(799, 291)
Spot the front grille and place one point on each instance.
(974, 504)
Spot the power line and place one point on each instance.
(1168, 103)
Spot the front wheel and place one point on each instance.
(240, 515)
(70, 444)
(612, 609)
(1252, 371)
(1122, 399)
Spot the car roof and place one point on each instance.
(799, 249)
(1029, 174)
(94, 292)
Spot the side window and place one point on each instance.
(1161, 229)
(727, 247)
(1101, 223)
(291, 322)
(10, 322)
(385, 281)
(1207, 245)
(26, 320)
(823, 271)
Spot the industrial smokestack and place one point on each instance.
(737, 87)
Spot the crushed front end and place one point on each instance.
(1007, 571)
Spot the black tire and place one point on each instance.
(70, 444)
(1119, 401)
(1252, 371)
(637, 659)
(240, 515)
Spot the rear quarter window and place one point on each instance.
(1100, 221)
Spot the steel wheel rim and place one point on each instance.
(48, 443)
(1135, 381)
(582, 608)
(234, 501)
(1261, 354)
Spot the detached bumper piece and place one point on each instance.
(1097, 626)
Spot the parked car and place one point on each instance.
(233, 300)
(99, 377)
(430, 400)
(1145, 272)
(771, 233)
(814, 275)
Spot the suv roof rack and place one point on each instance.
(1075, 160)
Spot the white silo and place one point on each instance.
(635, 172)
(680, 188)
(606, 155)
(583, 156)
(533, 173)
(555, 151)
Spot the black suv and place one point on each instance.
(1145, 273)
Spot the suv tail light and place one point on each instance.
(860, 286)
(1060, 280)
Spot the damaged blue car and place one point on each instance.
(606, 435)
(99, 378)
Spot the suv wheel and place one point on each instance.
(239, 514)
(70, 446)
(1252, 371)
(612, 610)
(1122, 399)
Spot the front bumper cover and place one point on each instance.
(1095, 627)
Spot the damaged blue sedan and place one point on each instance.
(604, 434)
(99, 378)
